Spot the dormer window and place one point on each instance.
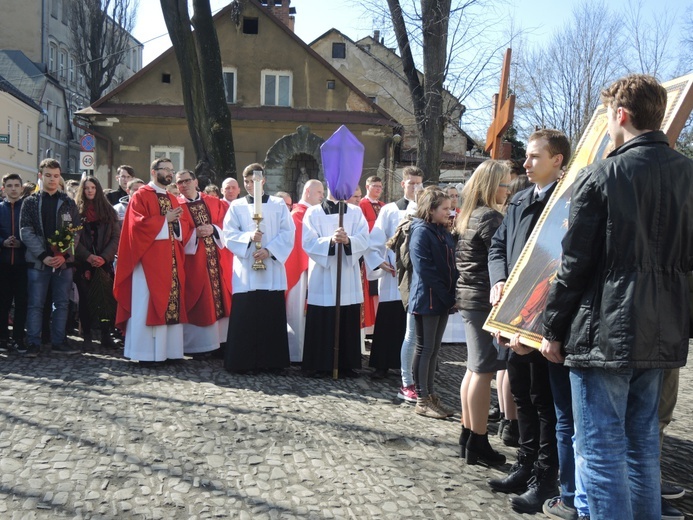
(339, 51)
(250, 25)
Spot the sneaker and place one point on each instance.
(30, 351)
(438, 403)
(669, 512)
(64, 348)
(425, 407)
(670, 491)
(555, 508)
(407, 393)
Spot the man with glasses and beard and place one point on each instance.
(149, 280)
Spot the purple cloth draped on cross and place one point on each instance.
(342, 161)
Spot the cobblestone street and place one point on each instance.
(96, 436)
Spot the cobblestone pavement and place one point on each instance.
(96, 436)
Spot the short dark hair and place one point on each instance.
(49, 163)
(248, 170)
(641, 96)
(127, 168)
(11, 177)
(157, 162)
(192, 173)
(372, 179)
(557, 142)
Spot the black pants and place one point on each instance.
(13, 284)
(536, 415)
(429, 334)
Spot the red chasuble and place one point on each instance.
(207, 298)
(162, 260)
(297, 262)
(370, 211)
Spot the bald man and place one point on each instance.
(230, 189)
(297, 271)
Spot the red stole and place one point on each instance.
(370, 210)
(297, 262)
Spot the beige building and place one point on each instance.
(40, 30)
(19, 122)
(377, 70)
(285, 100)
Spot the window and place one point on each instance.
(49, 114)
(276, 88)
(71, 70)
(28, 139)
(58, 120)
(230, 84)
(55, 8)
(165, 78)
(19, 136)
(66, 12)
(10, 126)
(339, 50)
(330, 84)
(250, 25)
(52, 50)
(175, 153)
(62, 63)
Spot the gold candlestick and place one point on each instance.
(258, 265)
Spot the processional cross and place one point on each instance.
(503, 111)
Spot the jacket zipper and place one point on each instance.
(430, 298)
(13, 233)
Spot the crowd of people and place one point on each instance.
(172, 268)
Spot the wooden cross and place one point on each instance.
(503, 111)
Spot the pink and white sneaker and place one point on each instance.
(408, 393)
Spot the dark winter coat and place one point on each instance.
(432, 253)
(471, 259)
(9, 226)
(621, 296)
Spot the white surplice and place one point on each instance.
(278, 237)
(296, 317)
(318, 228)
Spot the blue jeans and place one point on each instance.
(572, 489)
(60, 283)
(617, 441)
(408, 351)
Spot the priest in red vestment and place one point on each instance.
(149, 282)
(297, 271)
(208, 290)
(370, 206)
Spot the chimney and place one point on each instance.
(376, 36)
(281, 9)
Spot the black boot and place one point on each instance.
(464, 437)
(517, 478)
(106, 339)
(511, 434)
(502, 425)
(479, 450)
(542, 486)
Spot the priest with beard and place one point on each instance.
(321, 236)
(208, 292)
(257, 337)
(149, 282)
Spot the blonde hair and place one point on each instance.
(480, 190)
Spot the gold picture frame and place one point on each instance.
(526, 289)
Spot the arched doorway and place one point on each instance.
(299, 170)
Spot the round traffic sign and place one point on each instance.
(87, 142)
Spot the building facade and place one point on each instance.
(18, 153)
(284, 99)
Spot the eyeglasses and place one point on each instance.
(183, 181)
(504, 185)
(169, 170)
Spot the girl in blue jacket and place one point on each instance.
(432, 293)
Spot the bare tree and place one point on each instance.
(101, 39)
(648, 48)
(558, 85)
(199, 61)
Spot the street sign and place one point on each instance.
(88, 143)
(87, 160)
(4, 138)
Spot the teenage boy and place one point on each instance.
(536, 470)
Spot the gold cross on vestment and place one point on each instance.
(503, 111)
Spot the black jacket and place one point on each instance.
(471, 258)
(621, 296)
(432, 253)
(513, 233)
(9, 226)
